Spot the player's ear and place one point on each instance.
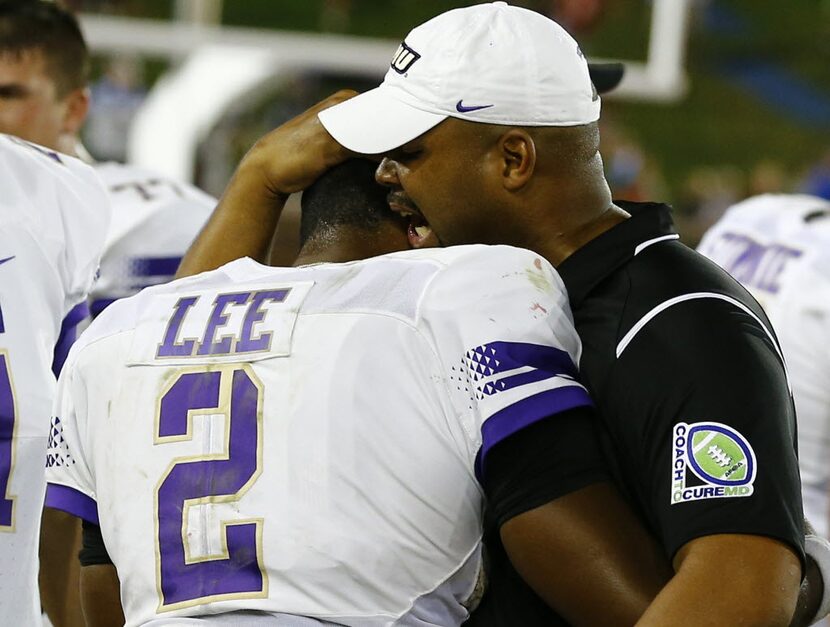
(518, 152)
(75, 112)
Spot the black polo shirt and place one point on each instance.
(691, 391)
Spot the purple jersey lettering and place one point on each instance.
(169, 347)
(218, 319)
(754, 264)
(255, 313)
(240, 337)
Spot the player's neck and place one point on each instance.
(344, 244)
(331, 251)
(325, 256)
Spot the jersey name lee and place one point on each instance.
(242, 338)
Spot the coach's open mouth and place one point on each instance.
(419, 232)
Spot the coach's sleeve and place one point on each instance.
(70, 483)
(713, 444)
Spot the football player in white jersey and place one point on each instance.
(53, 219)
(778, 247)
(295, 446)
(44, 73)
(154, 221)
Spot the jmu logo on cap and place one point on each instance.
(711, 460)
(404, 58)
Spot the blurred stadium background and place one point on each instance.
(723, 98)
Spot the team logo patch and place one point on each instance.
(404, 58)
(711, 460)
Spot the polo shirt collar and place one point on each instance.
(603, 255)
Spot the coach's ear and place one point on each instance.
(518, 152)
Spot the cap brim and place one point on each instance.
(606, 76)
(374, 122)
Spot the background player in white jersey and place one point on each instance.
(317, 441)
(53, 219)
(44, 72)
(778, 247)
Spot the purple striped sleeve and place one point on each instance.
(496, 357)
(154, 266)
(99, 305)
(516, 380)
(71, 501)
(526, 412)
(68, 335)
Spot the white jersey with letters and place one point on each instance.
(53, 218)
(154, 221)
(306, 441)
(778, 247)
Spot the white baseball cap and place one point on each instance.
(491, 63)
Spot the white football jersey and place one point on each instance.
(53, 219)
(778, 247)
(154, 221)
(306, 440)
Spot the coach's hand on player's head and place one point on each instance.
(286, 160)
(294, 155)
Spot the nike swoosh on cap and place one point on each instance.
(7, 259)
(462, 109)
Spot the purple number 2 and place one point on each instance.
(7, 415)
(216, 478)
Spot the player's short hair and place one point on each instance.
(345, 196)
(27, 25)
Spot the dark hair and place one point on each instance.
(347, 195)
(40, 25)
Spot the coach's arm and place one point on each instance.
(726, 578)
(566, 529)
(738, 557)
(286, 160)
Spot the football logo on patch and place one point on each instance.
(711, 460)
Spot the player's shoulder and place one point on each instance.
(56, 197)
(774, 215)
(777, 203)
(470, 272)
(30, 164)
(488, 275)
(470, 256)
(799, 223)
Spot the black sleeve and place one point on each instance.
(93, 551)
(546, 460)
(706, 422)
